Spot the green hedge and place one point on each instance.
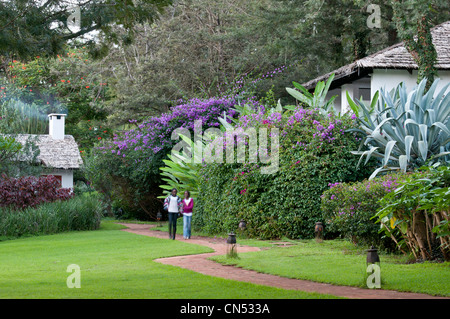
(315, 151)
(78, 213)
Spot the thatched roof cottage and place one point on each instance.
(385, 69)
(59, 153)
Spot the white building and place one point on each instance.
(385, 69)
(58, 153)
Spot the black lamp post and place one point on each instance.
(318, 230)
(242, 225)
(373, 267)
(372, 256)
(231, 245)
(158, 218)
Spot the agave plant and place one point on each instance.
(316, 99)
(405, 131)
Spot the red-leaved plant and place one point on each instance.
(30, 191)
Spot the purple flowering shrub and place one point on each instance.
(154, 134)
(348, 208)
(314, 151)
(127, 167)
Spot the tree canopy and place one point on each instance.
(30, 28)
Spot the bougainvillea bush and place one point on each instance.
(31, 191)
(349, 208)
(127, 167)
(314, 151)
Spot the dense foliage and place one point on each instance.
(197, 46)
(71, 83)
(31, 28)
(214, 55)
(78, 213)
(18, 158)
(127, 168)
(9, 148)
(17, 117)
(31, 191)
(412, 17)
(314, 151)
(348, 209)
(417, 213)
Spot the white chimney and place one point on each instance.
(56, 126)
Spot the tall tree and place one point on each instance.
(29, 28)
(413, 19)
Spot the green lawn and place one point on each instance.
(114, 264)
(339, 262)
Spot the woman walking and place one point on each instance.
(172, 204)
(188, 205)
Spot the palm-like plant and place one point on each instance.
(181, 171)
(405, 131)
(316, 99)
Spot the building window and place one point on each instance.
(364, 93)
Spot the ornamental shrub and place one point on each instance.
(30, 191)
(126, 168)
(348, 209)
(78, 213)
(314, 151)
(416, 214)
(406, 130)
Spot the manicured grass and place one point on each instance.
(339, 262)
(114, 264)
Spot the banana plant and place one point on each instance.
(181, 171)
(405, 130)
(316, 99)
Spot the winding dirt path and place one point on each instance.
(199, 263)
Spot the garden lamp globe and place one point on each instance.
(158, 217)
(372, 256)
(242, 224)
(231, 245)
(318, 230)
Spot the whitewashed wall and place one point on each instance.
(66, 176)
(380, 78)
(389, 79)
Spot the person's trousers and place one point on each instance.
(187, 226)
(172, 225)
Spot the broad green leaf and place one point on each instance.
(299, 96)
